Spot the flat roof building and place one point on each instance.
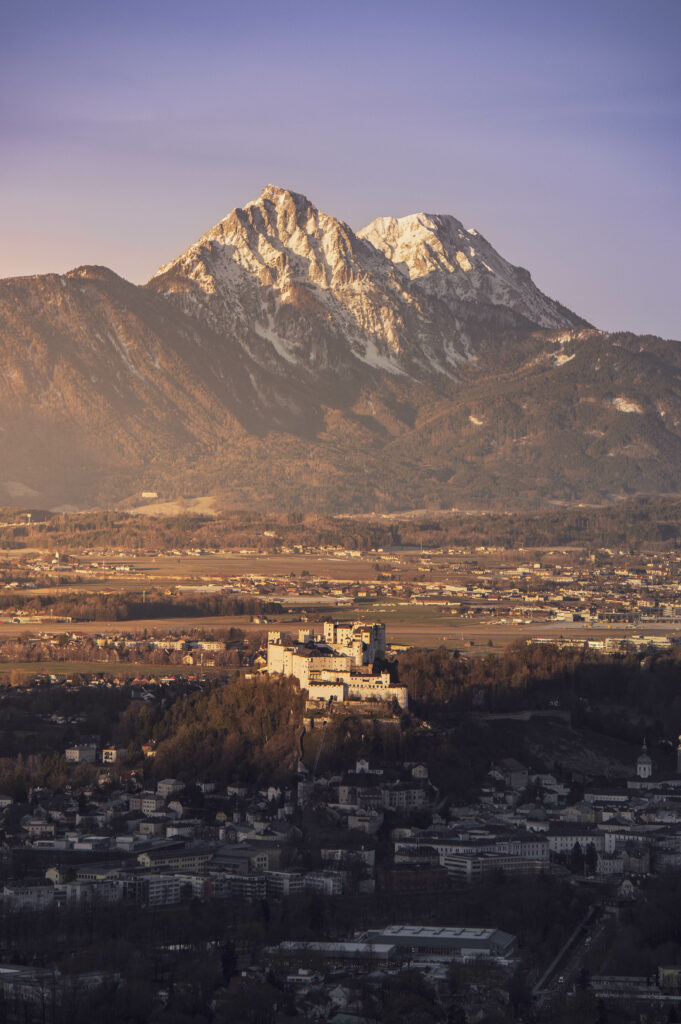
(422, 941)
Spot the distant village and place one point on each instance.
(566, 587)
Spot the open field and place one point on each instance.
(459, 634)
(236, 564)
(207, 505)
(216, 568)
(169, 571)
(8, 629)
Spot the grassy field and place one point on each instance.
(173, 569)
(166, 571)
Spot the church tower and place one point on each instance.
(644, 764)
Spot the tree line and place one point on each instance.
(638, 524)
(123, 607)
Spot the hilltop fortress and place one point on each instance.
(336, 664)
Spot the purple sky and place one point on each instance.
(128, 128)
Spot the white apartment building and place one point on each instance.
(471, 867)
(283, 883)
(28, 897)
(563, 840)
(328, 883)
(163, 889)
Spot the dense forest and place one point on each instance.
(247, 730)
(640, 523)
(650, 929)
(622, 696)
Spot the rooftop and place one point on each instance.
(429, 932)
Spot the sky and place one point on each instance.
(127, 129)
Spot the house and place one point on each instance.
(146, 802)
(81, 753)
(168, 787)
(241, 860)
(112, 755)
(190, 859)
(514, 774)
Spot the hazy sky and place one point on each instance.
(127, 129)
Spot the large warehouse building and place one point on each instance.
(420, 941)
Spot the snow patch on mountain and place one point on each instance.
(278, 344)
(623, 404)
(378, 360)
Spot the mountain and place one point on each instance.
(456, 265)
(413, 296)
(286, 358)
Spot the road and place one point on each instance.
(563, 971)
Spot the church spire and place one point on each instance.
(644, 764)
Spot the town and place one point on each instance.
(382, 842)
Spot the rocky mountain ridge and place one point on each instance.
(278, 266)
(459, 265)
(284, 357)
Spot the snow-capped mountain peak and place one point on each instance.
(291, 281)
(459, 264)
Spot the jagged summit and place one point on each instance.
(292, 281)
(277, 194)
(278, 237)
(401, 238)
